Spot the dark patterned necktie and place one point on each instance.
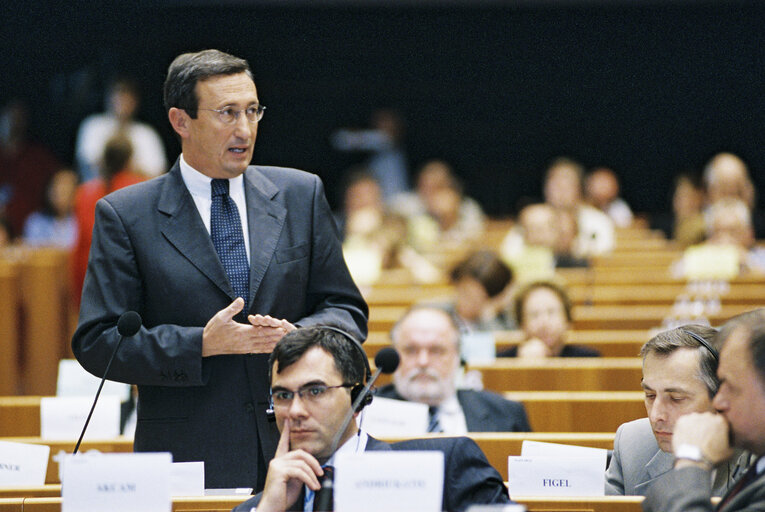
(226, 233)
(323, 500)
(433, 424)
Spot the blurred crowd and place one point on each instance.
(387, 224)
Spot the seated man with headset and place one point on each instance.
(316, 373)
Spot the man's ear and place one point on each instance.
(179, 120)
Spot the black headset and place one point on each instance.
(705, 343)
(357, 387)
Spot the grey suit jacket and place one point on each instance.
(484, 411)
(151, 253)
(637, 461)
(686, 490)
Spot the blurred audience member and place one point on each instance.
(439, 214)
(122, 102)
(687, 205)
(385, 140)
(543, 311)
(563, 191)
(428, 340)
(726, 175)
(25, 167)
(730, 246)
(602, 191)
(373, 238)
(482, 286)
(54, 225)
(543, 239)
(116, 172)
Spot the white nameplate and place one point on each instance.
(555, 476)
(478, 347)
(538, 448)
(23, 465)
(74, 380)
(386, 417)
(64, 417)
(187, 479)
(385, 481)
(118, 482)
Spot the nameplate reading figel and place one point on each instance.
(23, 464)
(121, 482)
(385, 481)
(555, 476)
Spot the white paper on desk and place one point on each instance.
(555, 476)
(64, 417)
(23, 464)
(187, 479)
(478, 347)
(117, 482)
(385, 481)
(538, 448)
(386, 417)
(74, 380)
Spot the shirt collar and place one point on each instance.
(200, 184)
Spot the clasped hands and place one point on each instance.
(223, 335)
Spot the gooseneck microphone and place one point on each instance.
(128, 325)
(386, 361)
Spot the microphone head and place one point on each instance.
(387, 360)
(129, 324)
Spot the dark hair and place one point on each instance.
(117, 153)
(189, 68)
(122, 83)
(296, 343)
(753, 323)
(666, 342)
(524, 292)
(486, 268)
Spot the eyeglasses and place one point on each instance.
(230, 115)
(310, 393)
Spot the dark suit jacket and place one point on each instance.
(372, 445)
(468, 477)
(484, 411)
(688, 490)
(152, 254)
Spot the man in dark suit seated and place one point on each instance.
(701, 441)
(427, 339)
(315, 373)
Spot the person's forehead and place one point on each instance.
(427, 326)
(235, 88)
(679, 369)
(734, 356)
(542, 297)
(315, 365)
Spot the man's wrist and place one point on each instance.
(690, 454)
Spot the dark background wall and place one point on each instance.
(497, 89)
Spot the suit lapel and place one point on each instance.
(659, 464)
(265, 219)
(476, 418)
(182, 227)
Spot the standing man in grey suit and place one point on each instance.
(220, 259)
(428, 342)
(679, 377)
(701, 441)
